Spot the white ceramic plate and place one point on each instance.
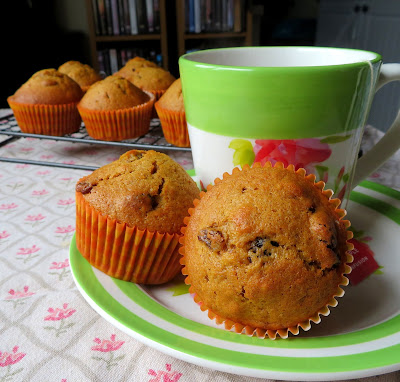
(360, 338)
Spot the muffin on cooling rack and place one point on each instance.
(133, 210)
(114, 109)
(83, 74)
(47, 104)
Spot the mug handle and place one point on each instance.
(390, 142)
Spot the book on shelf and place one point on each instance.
(126, 17)
(214, 16)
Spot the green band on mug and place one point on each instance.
(277, 102)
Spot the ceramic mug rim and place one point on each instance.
(200, 58)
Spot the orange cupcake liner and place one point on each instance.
(124, 252)
(117, 125)
(316, 317)
(174, 126)
(55, 120)
(157, 94)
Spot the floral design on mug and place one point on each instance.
(60, 314)
(18, 297)
(27, 253)
(8, 360)
(63, 265)
(108, 346)
(8, 207)
(165, 376)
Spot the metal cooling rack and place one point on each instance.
(154, 140)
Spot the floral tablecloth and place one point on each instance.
(48, 332)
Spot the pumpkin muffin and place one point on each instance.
(172, 116)
(46, 104)
(129, 216)
(83, 74)
(265, 250)
(114, 109)
(133, 64)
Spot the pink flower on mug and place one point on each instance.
(19, 294)
(4, 235)
(66, 229)
(7, 359)
(28, 250)
(299, 152)
(8, 206)
(59, 314)
(39, 192)
(66, 202)
(106, 346)
(60, 265)
(165, 376)
(34, 218)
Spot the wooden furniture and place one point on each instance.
(242, 38)
(112, 41)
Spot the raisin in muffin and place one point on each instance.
(133, 210)
(47, 104)
(83, 74)
(171, 111)
(266, 248)
(114, 109)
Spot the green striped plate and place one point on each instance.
(360, 338)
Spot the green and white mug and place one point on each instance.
(305, 106)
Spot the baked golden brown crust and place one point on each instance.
(48, 87)
(146, 189)
(113, 93)
(151, 78)
(172, 99)
(83, 74)
(265, 248)
(133, 64)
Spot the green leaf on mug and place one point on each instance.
(243, 154)
(321, 171)
(335, 139)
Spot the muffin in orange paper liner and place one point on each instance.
(172, 115)
(265, 250)
(129, 214)
(46, 104)
(114, 109)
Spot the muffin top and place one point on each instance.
(113, 93)
(172, 99)
(133, 64)
(49, 87)
(83, 74)
(146, 189)
(151, 78)
(265, 248)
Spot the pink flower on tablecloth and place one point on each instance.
(9, 206)
(66, 229)
(375, 175)
(34, 218)
(28, 251)
(165, 376)
(59, 314)
(19, 294)
(4, 234)
(46, 156)
(7, 359)
(26, 149)
(21, 165)
(69, 162)
(112, 158)
(39, 192)
(106, 346)
(66, 202)
(66, 178)
(60, 265)
(299, 152)
(46, 172)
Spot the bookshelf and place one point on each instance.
(231, 35)
(100, 39)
